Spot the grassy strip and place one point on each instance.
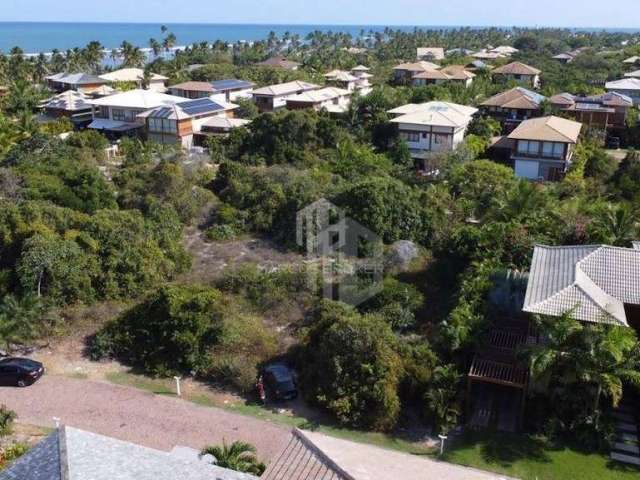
(531, 458)
(167, 387)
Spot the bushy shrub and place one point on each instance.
(349, 366)
(7, 417)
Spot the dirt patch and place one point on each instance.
(211, 258)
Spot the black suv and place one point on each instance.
(280, 382)
(19, 372)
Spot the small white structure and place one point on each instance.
(332, 99)
(430, 54)
(432, 127)
(627, 86)
(118, 113)
(355, 80)
(136, 75)
(274, 97)
(543, 147)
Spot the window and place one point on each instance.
(529, 147)
(411, 136)
(162, 125)
(552, 150)
(117, 114)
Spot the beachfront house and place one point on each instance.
(432, 127)
(542, 148)
(181, 123)
(518, 72)
(405, 72)
(605, 111)
(79, 82)
(451, 74)
(117, 115)
(430, 54)
(629, 87)
(136, 77)
(512, 107)
(274, 97)
(70, 104)
(331, 99)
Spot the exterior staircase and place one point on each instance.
(626, 447)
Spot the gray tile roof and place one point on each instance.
(302, 460)
(42, 462)
(594, 282)
(71, 454)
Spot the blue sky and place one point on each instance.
(580, 13)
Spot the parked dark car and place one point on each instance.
(613, 143)
(280, 382)
(19, 372)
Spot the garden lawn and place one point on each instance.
(529, 458)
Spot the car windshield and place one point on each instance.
(286, 385)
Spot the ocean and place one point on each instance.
(36, 37)
(44, 37)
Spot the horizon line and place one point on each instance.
(338, 24)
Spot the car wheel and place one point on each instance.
(22, 383)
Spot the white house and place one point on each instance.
(355, 80)
(519, 72)
(136, 75)
(118, 114)
(274, 97)
(332, 99)
(543, 147)
(627, 86)
(451, 74)
(232, 89)
(432, 127)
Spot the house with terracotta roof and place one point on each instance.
(279, 62)
(432, 127)
(513, 106)
(430, 54)
(405, 72)
(192, 89)
(518, 72)
(451, 74)
(274, 97)
(629, 87)
(607, 111)
(543, 147)
(181, 123)
(331, 99)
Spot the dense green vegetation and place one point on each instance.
(70, 234)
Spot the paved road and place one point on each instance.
(140, 417)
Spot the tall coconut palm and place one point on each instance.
(155, 47)
(93, 55)
(239, 456)
(169, 42)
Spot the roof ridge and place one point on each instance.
(62, 452)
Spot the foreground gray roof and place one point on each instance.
(42, 462)
(71, 454)
(593, 282)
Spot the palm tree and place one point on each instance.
(441, 397)
(616, 225)
(155, 47)
(93, 55)
(169, 42)
(239, 456)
